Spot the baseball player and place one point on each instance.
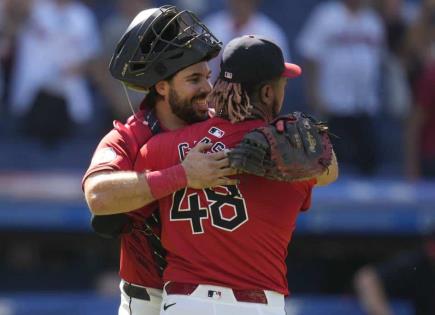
(162, 48)
(226, 246)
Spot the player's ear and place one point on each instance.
(267, 94)
(162, 88)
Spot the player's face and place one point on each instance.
(188, 91)
(279, 92)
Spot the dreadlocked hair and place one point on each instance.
(238, 102)
(230, 101)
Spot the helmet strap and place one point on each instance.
(130, 104)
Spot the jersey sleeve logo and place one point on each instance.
(104, 155)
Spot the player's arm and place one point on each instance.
(124, 191)
(116, 192)
(330, 175)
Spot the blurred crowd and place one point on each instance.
(369, 70)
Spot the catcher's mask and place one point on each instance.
(160, 42)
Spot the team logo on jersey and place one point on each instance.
(214, 131)
(184, 147)
(104, 155)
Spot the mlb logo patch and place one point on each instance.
(214, 294)
(214, 131)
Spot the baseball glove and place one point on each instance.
(292, 147)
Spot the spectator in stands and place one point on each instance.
(342, 43)
(13, 15)
(112, 29)
(420, 141)
(419, 42)
(49, 88)
(420, 147)
(395, 92)
(242, 17)
(396, 88)
(3, 53)
(410, 275)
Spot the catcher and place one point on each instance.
(226, 245)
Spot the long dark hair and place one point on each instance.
(239, 101)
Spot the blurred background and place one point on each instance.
(367, 245)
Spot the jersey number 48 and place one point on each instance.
(217, 199)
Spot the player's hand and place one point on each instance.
(205, 170)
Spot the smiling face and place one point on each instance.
(188, 91)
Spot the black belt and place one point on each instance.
(136, 292)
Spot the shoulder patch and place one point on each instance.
(104, 155)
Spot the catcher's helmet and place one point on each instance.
(160, 42)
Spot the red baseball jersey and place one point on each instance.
(117, 151)
(233, 236)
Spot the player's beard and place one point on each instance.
(185, 108)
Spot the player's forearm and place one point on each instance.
(117, 192)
